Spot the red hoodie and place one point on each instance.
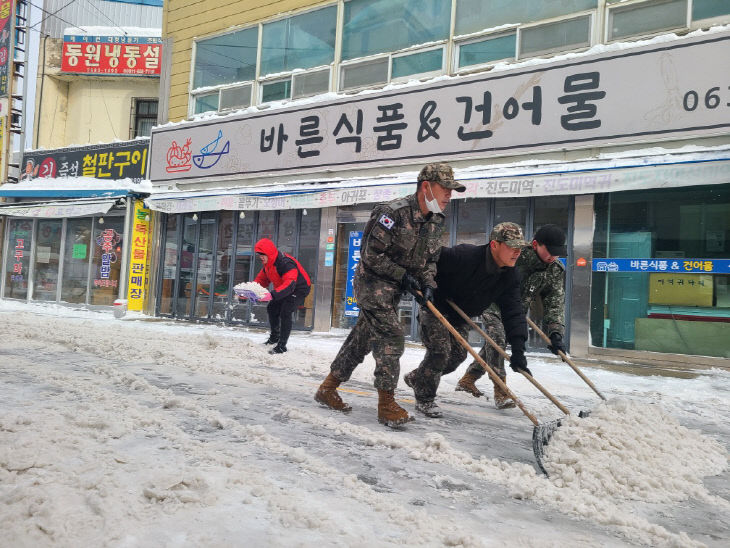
(282, 270)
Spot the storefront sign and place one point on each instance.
(681, 289)
(698, 172)
(6, 34)
(353, 258)
(108, 240)
(714, 266)
(113, 161)
(138, 257)
(118, 55)
(648, 93)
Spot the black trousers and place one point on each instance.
(281, 312)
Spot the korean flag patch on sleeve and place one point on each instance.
(386, 221)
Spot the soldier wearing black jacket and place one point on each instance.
(473, 277)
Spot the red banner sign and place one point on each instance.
(118, 55)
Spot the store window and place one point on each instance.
(204, 264)
(216, 252)
(472, 221)
(106, 261)
(223, 261)
(74, 287)
(170, 255)
(660, 275)
(17, 258)
(46, 261)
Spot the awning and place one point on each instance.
(7, 191)
(58, 210)
(636, 172)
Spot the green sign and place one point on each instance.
(79, 251)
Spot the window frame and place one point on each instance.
(135, 105)
(591, 14)
(472, 39)
(628, 6)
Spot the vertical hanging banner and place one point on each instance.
(6, 31)
(138, 257)
(353, 258)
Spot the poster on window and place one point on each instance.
(353, 258)
(138, 257)
(117, 55)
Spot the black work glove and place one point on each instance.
(411, 285)
(556, 344)
(518, 362)
(426, 296)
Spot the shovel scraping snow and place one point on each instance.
(541, 433)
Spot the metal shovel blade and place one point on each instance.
(541, 435)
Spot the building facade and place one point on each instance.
(72, 219)
(607, 118)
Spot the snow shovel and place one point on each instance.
(541, 433)
(565, 358)
(504, 354)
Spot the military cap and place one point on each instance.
(509, 233)
(553, 238)
(442, 174)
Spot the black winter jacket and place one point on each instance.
(467, 275)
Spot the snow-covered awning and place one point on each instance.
(635, 170)
(58, 210)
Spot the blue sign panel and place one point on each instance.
(353, 257)
(698, 266)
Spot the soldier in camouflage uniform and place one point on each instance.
(542, 275)
(473, 277)
(400, 246)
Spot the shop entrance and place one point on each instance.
(205, 254)
(467, 221)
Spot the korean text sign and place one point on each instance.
(117, 55)
(647, 93)
(121, 160)
(353, 258)
(138, 256)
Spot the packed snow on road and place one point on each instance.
(147, 433)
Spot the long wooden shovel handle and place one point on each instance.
(495, 378)
(565, 358)
(504, 354)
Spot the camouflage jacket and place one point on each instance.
(396, 239)
(546, 281)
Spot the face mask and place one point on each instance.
(432, 205)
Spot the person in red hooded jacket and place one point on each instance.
(291, 286)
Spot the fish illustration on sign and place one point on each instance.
(209, 155)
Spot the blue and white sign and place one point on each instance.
(353, 258)
(699, 266)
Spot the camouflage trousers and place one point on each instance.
(377, 330)
(494, 328)
(443, 354)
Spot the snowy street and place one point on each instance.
(146, 433)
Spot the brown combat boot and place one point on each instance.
(390, 413)
(327, 395)
(501, 399)
(466, 384)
